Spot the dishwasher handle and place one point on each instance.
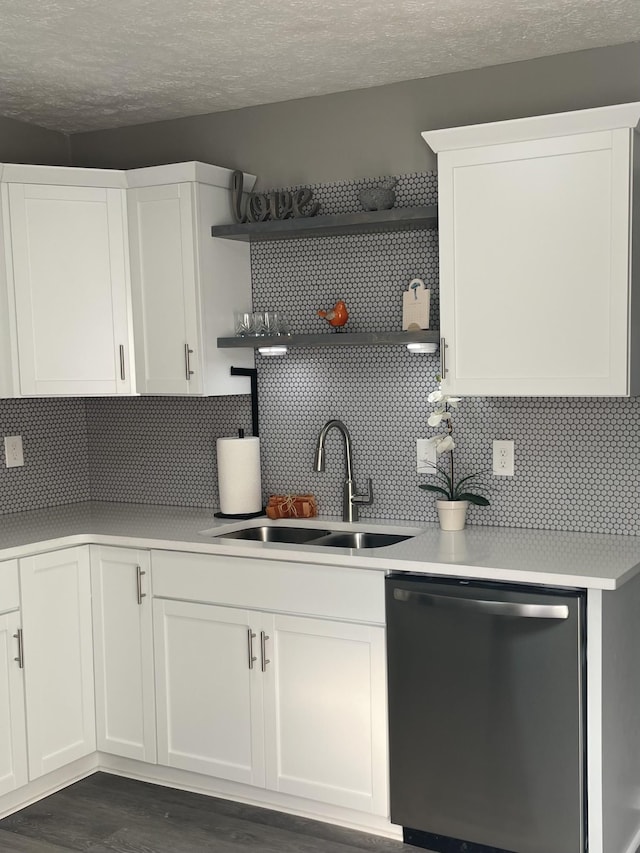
(488, 608)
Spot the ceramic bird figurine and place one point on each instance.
(336, 316)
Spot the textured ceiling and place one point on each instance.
(75, 65)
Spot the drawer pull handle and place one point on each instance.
(123, 374)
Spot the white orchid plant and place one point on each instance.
(466, 488)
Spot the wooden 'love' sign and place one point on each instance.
(258, 207)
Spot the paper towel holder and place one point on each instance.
(252, 373)
(241, 516)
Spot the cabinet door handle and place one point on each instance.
(263, 651)
(123, 375)
(140, 593)
(20, 659)
(251, 637)
(443, 360)
(187, 361)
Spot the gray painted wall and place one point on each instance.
(26, 143)
(368, 132)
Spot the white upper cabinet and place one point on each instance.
(537, 293)
(64, 288)
(185, 284)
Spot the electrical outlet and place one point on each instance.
(13, 456)
(503, 458)
(425, 456)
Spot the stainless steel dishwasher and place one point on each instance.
(486, 715)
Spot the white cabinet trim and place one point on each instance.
(533, 127)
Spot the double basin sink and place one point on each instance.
(315, 536)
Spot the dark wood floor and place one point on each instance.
(108, 814)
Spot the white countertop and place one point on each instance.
(518, 555)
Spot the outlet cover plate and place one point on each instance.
(13, 455)
(425, 456)
(503, 458)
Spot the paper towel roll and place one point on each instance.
(239, 482)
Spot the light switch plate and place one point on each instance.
(503, 458)
(425, 456)
(13, 455)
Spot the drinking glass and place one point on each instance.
(242, 323)
(258, 326)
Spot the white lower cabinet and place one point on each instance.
(209, 697)
(325, 720)
(13, 735)
(58, 659)
(209, 677)
(123, 652)
(291, 703)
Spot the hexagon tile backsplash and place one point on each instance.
(577, 461)
(56, 454)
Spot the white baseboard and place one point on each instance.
(259, 797)
(183, 780)
(48, 784)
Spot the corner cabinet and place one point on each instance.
(539, 290)
(185, 286)
(64, 286)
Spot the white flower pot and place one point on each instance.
(452, 514)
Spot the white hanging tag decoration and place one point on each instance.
(415, 306)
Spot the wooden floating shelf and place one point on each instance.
(363, 222)
(334, 339)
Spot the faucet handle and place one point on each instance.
(365, 500)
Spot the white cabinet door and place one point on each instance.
(13, 736)
(69, 273)
(58, 658)
(163, 279)
(123, 652)
(185, 285)
(535, 255)
(209, 692)
(325, 712)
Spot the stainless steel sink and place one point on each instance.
(267, 533)
(350, 539)
(314, 536)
